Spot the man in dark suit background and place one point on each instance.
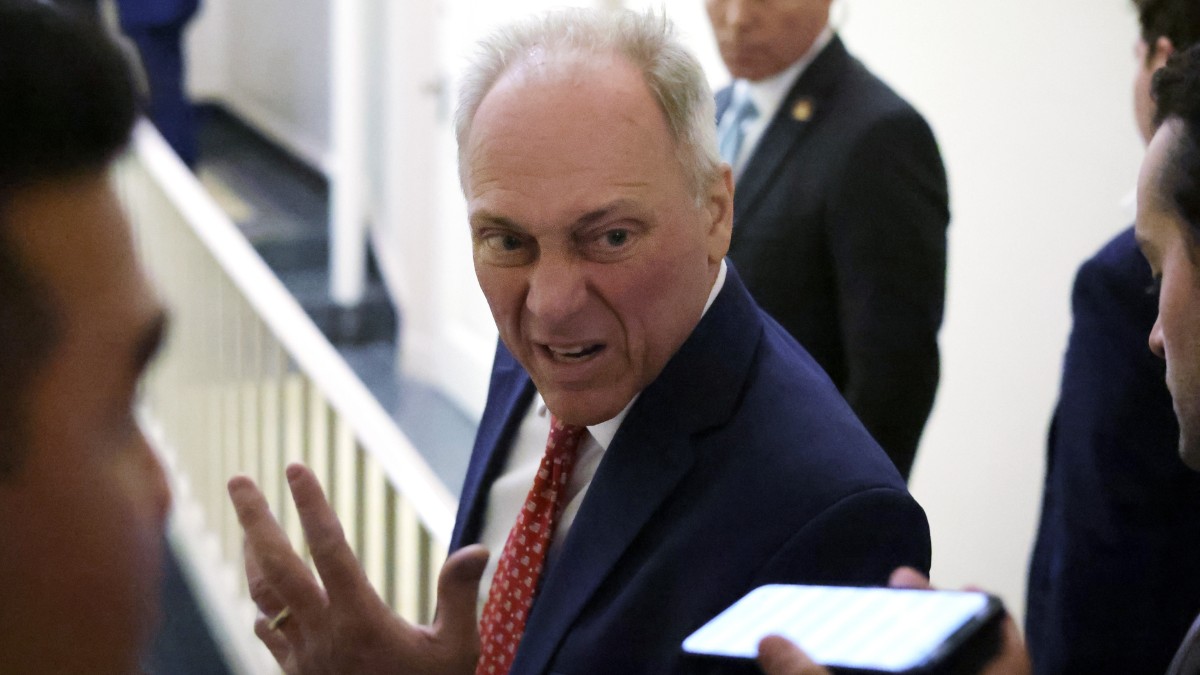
(157, 27)
(841, 211)
(1117, 500)
(714, 453)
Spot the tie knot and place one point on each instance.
(743, 109)
(564, 438)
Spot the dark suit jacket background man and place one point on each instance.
(841, 212)
(719, 457)
(1117, 499)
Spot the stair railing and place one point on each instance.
(247, 384)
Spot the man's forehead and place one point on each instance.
(1154, 172)
(574, 113)
(72, 237)
(549, 63)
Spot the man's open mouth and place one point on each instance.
(571, 353)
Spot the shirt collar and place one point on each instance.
(768, 94)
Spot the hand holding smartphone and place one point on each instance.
(868, 630)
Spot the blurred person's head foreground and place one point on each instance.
(83, 499)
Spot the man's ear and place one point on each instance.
(1163, 49)
(720, 214)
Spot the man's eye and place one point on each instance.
(503, 242)
(1155, 286)
(616, 237)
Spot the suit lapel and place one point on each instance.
(651, 453)
(803, 105)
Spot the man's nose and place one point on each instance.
(1156, 339)
(156, 484)
(737, 13)
(556, 288)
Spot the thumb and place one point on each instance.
(778, 656)
(907, 577)
(458, 593)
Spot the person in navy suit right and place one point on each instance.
(1117, 501)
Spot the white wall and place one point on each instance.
(1030, 102)
(269, 61)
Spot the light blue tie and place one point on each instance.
(741, 112)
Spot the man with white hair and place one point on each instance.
(695, 449)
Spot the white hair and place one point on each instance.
(647, 41)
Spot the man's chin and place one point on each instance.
(584, 408)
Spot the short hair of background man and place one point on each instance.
(1176, 20)
(675, 78)
(57, 120)
(1176, 91)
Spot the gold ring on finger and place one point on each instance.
(279, 619)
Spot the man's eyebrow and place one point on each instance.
(604, 211)
(151, 341)
(484, 217)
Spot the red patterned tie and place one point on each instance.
(516, 581)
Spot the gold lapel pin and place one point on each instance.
(803, 110)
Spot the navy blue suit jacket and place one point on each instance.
(839, 230)
(142, 14)
(1113, 582)
(739, 465)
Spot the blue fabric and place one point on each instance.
(1113, 583)
(156, 28)
(739, 465)
(139, 14)
(840, 233)
(733, 129)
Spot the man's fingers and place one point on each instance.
(332, 555)
(276, 574)
(907, 577)
(458, 593)
(261, 591)
(778, 656)
(275, 641)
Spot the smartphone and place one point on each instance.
(860, 630)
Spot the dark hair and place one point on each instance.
(1176, 20)
(67, 105)
(1176, 91)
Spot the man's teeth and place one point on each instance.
(573, 352)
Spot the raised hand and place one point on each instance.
(345, 627)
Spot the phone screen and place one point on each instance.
(880, 629)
